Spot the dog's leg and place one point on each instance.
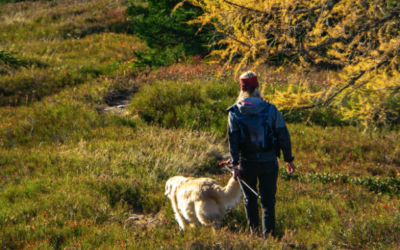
(181, 221)
(217, 225)
(205, 212)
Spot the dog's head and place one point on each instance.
(172, 184)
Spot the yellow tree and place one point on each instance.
(359, 37)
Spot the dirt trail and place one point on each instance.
(116, 102)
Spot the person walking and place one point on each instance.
(257, 133)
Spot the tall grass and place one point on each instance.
(74, 183)
(70, 177)
(64, 43)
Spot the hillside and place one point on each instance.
(72, 174)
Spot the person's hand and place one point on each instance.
(235, 172)
(290, 167)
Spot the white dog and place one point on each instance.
(201, 201)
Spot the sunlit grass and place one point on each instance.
(64, 43)
(78, 191)
(70, 177)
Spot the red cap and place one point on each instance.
(248, 83)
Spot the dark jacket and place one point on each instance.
(253, 106)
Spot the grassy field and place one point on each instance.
(71, 177)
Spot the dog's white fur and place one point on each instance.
(201, 201)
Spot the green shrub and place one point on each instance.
(196, 105)
(319, 116)
(8, 60)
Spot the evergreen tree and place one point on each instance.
(166, 31)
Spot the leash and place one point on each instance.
(241, 182)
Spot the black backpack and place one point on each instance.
(256, 132)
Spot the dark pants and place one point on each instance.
(267, 175)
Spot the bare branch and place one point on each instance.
(351, 82)
(237, 40)
(251, 9)
(329, 4)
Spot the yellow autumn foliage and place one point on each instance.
(359, 38)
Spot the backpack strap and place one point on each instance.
(236, 119)
(264, 130)
(269, 124)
